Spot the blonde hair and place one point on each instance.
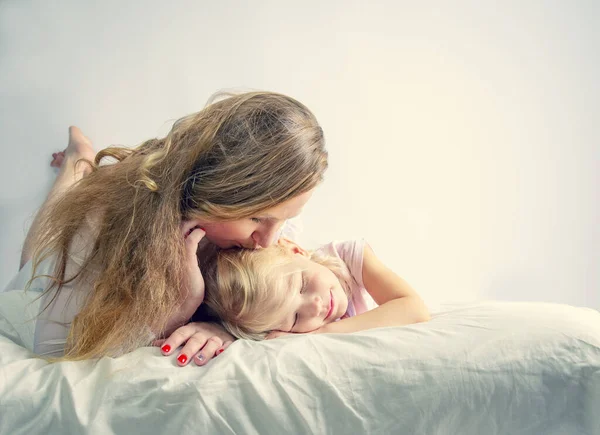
(235, 158)
(247, 289)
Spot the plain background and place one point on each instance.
(463, 136)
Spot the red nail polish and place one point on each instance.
(218, 352)
(182, 358)
(166, 348)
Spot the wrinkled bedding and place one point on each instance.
(487, 368)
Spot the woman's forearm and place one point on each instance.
(397, 312)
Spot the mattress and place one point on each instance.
(486, 368)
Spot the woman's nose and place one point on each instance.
(264, 238)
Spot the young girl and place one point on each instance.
(283, 289)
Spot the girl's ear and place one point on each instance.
(292, 246)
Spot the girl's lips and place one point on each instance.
(330, 305)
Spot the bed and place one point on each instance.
(486, 368)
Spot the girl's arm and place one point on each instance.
(398, 303)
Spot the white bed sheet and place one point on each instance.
(489, 368)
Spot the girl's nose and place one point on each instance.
(314, 306)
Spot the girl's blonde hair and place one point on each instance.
(237, 157)
(248, 289)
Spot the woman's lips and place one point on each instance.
(330, 305)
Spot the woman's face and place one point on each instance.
(257, 231)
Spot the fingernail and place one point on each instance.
(182, 358)
(200, 357)
(166, 348)
(218, 352)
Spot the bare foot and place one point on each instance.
(79, 147)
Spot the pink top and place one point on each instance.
(351, 252)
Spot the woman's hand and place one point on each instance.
(203, 341)
(193, 234)
(192, 294)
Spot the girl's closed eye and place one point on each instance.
(302, 289)
(256, 220)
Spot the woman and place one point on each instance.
(120, 244)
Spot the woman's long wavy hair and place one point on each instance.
(247, 290)
(237, 157)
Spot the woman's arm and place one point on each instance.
(398, 303)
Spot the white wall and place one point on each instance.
(463, 136)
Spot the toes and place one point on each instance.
(57, 159)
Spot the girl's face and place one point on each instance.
(255, 232)
(316, 296)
